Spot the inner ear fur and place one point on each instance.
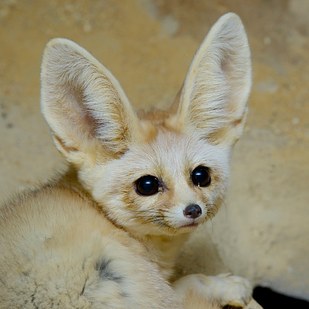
(213, 99)
(83, 103)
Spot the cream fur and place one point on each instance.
(88, 240)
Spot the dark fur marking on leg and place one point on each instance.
(84, 286)
(124, 294)
(32, 298)
(104, 268)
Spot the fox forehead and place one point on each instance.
(174, 154)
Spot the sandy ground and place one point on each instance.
(263, 231)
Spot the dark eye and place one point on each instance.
(147, 185)
(201, 176)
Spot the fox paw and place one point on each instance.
(225, 289)
(230, 290)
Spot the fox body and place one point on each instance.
(106, 234)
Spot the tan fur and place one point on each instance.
(88, 239)
(193, 300)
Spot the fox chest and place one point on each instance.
(164, 252)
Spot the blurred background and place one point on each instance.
(262, 232)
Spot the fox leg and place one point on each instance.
(122, 279)
(213, 291)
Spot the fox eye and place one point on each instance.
(200, 176)
(147, 185)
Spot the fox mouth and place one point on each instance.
(166, 221)
(183, 225)
(190, 224)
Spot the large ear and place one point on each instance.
(213, 99)
(83, 103)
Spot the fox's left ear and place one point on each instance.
(213, 101)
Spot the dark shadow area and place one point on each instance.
(270, 299)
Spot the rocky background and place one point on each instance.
(262, 232)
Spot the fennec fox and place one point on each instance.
(107, 233)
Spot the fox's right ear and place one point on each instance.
(83, 103)
(213, 100)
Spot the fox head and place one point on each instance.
(159, 176)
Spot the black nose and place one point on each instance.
(192, 211)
